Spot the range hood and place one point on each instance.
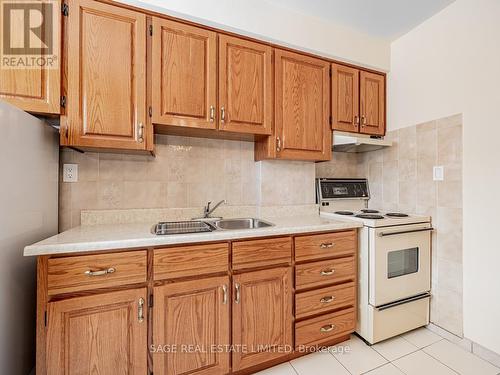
(348, 142)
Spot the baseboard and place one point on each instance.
(469, 345)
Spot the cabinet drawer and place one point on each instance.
(258, 253)
(321, 246)
(76, 273)
(325, 328)
(324, 299)
(324, 272)
(175, 262)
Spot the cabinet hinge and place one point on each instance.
(150, 111)
(151, 300)
(63, 101)
(45, 319)
(151, 30)
(65, 9)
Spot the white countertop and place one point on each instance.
(122, 236)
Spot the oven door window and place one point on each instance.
(402, 262)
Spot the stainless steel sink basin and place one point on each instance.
(245, 223)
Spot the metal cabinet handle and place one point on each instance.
(278, 144)
(327, 328)
(222, 114)
(327, 272)
(140, 133)
(212, 113)
(327, 245)
(363, 120)
(327, 299)
(140, 310)
(356, 120)
(237, 297)
(224, 294)
(100, 272)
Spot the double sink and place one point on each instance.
(208, 225)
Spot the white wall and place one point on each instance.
(268, 21)
(450, 64)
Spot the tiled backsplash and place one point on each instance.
(186, 173)
(401, 179)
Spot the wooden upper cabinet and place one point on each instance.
(100, 334)
(345, 98)
(184, 75)
(106, 78)
(302, 107)
(245, 86)
(372, 93)
(192, 314)
(36, 90)
(262, 316)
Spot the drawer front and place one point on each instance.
(321, 246)
(324, 328)
(258, 253)
(324, 299)
(77, 273)
(184, 261)
(324, 272)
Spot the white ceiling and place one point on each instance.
(387, 19)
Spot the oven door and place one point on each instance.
(399, 262)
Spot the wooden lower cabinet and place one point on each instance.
(262, 316)
(100, 334)
(191, 327)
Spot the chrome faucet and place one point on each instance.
(207, 210)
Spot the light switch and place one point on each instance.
(438, 173)
(70, 172)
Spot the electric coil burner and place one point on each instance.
(367, 211)
(396, 214)
(370, 216)
(345, 213)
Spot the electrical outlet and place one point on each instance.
(70, 172)
(438, 173)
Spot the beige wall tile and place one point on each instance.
(140, 194)
(427, 144)
(177, 195)
(430, 125)
(449, 145)
(450, 194)
(450, 121)
(110, 194)
(408, 194)
(407, 170)
(84, 196)
(88, 165)
(407, 143)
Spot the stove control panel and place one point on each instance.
(336, 188)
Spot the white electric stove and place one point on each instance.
(394, 259)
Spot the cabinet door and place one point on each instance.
(345, 98)
(101, 334)
(106, 77)
(245, 86)
(36, 90)
(262, 316)
(184, 75)
(372, 92)
(191, 319)
(302, 107)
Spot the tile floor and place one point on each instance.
(414, 353)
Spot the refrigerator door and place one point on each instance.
(29, 165)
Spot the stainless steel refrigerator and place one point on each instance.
(29, 169)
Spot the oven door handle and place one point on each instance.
(403, 301)
(385, 234)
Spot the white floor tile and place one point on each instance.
(459, 359)
(318, 364)
(420, 363)
(388, 369)
(394, 348)
(360, 358)
(283, 369)
(421, 337)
